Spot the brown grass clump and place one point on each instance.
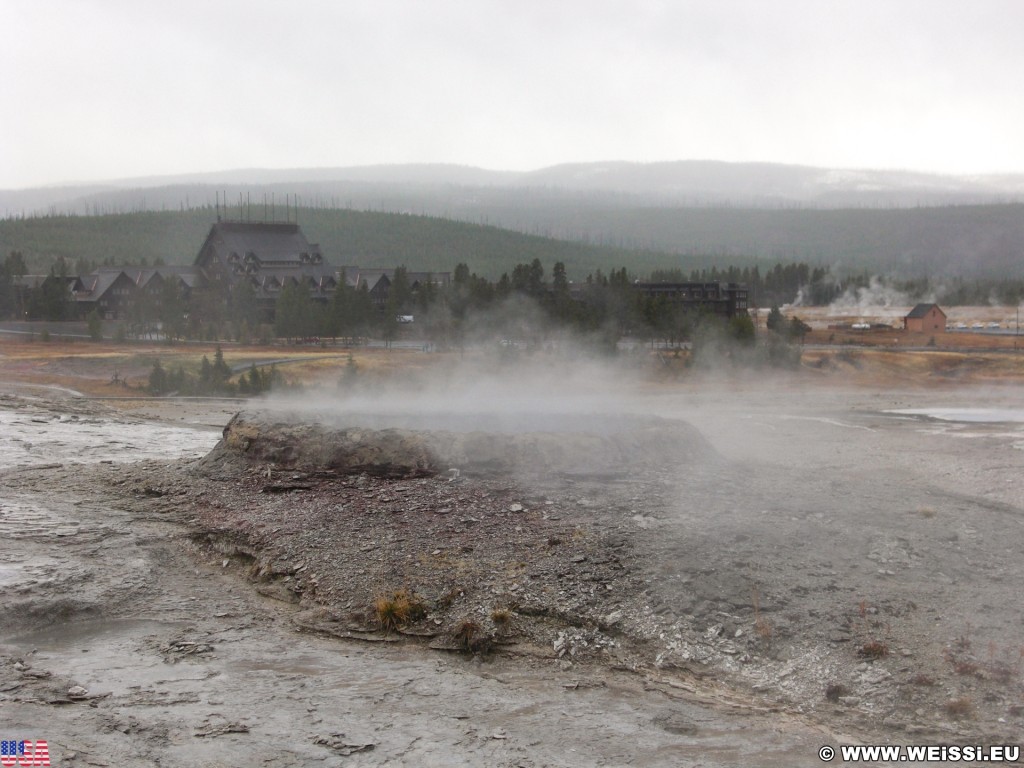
(470, 637)
(966, 667)
(958, 708)
(501, 617)
(873, 649)
(466, 633)
(762, 627)
(398, 609)
(834, 691)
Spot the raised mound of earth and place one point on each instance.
(478, 445)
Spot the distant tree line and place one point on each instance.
(524, 303)
(213, 379)
(801, 283)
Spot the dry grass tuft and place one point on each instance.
(470, 637)
(834, 691)
(966, 667)
(398, 609)
(466, 633)
(959, 708)
(873, 649)
(502, 617)
(762, 627)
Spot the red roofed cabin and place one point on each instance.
(925, 318)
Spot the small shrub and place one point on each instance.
(470, 637)
(764, 629)
(965, 667)
(999, 672)
(873, 649)
(958, 708)
(449, 597)
(466, 633)
(836, 690)
(501, 617)
(398, 609)
(963, 643)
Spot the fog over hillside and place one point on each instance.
(899, 223)
(683, 183)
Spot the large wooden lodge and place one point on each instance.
(266, 255)
(271, 255)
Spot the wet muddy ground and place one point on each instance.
(749, 592)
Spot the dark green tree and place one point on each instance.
(561, 301)
(293, 315)
(389, 322)
(53, 299)
(741, 328)
(220, 371)
(157, 379)
(798, 329)
(95, 325)
(256, 380)
(205, 374)
(244, 308)
(400, 293)
(171, 309)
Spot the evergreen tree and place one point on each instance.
(293, 315)
(256, 383)
(52, 300)
(171, 309)
(157, 379)
(220, 372)
(244, 308)
(400, 292)
(95, 325)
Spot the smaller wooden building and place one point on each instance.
(925, 318)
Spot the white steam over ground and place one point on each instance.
(518, 393)
(877, 299)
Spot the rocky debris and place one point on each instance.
(577, 447)
(338, 743)
(176, 650)
(220, 726)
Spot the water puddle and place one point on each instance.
(105, 656)
(83, 634)
(32, 439)
(966, 415)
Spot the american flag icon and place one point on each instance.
(24, 753)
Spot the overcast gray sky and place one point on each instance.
(99, 89)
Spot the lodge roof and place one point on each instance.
(922, 310)
(270, 243)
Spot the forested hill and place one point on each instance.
(969, 241)
(346, 237)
